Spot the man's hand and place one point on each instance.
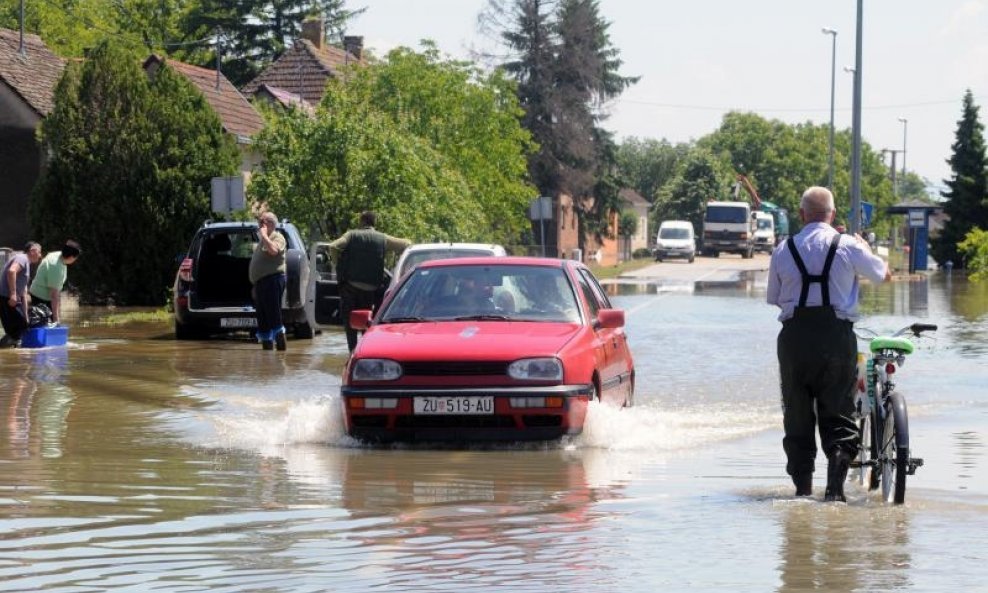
(12, 301)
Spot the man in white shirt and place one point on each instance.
(813, 279)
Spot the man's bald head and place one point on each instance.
(817, 205)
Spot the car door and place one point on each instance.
(323, 294)
(615, 377)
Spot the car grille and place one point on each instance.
(450, 368)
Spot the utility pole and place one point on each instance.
(833, 81)
(23, 48)
(905, 125)
(855, 221)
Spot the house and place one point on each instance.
(29, 72)
(304, 69)
(632, 201)
(239, 118)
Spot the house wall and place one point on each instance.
(20, 166)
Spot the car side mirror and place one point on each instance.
(360, 319)
(610, 318)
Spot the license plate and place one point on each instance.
(455, 404)
(238, 322)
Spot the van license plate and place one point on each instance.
(238, 322)
(454, 404)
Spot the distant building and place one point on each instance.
(633, 201)
(239, 118)
(304, 69)
(28, 76)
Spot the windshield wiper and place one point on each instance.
(482, 317)
(403, 319)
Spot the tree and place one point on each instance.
(129, 173)
(627, 227)
(975, 250)
(252, 33)
(967, 191)
(701, 178)
(649, 164)
(70, 27)
(434, 145)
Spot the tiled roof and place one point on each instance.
(284, 98)
(632, 197)
(32, 76)
(304, 70)
(236, 113)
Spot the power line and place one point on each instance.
(783, 109)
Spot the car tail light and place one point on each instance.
(743, 235)
(182, 302)
(185, 270)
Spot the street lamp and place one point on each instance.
(905, 125)
(833, 80)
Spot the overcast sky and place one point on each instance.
(700, 58)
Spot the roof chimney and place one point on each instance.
(354, 44)
(313, 30)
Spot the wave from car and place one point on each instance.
(487, 348)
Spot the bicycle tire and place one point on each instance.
(894, 454)
(868, 476)
(875, 480)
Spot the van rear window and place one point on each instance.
(726, 214)
(674, 233)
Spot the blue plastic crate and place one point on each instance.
(39, 337)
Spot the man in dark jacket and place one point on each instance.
(14, 292)
(360, 268)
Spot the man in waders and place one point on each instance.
(360, 268)
(813, 279)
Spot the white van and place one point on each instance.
(764, 232)
(675, 239)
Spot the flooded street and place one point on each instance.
(133, 462)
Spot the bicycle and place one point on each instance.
(884, 456)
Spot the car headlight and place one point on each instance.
(375, 369)
(542, 369)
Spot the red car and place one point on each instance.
(487, 348)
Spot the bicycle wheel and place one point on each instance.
(894, 452)
(868, 451)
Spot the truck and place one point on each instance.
(728, 227)
(780, 216)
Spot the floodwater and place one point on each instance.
(132, 462)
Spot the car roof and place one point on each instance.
(676, 223)
(238, 224)
(493, 247)
(544, 262)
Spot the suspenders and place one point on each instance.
(823, 278)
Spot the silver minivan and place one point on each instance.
(675, 239)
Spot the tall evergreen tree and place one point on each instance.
(129, 173)
(967, 195)
(252, 33)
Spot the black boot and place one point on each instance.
(840, 461)
(803, 483)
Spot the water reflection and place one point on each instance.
(35, 403)
(827, 547)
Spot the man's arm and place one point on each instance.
(270, 246)
(867, 263)
(55, 295)
(12, 283)
(395, 245)
(336, 248)
(774, 284)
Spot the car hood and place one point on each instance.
(675, 242)
(465, 340)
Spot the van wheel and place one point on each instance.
(186, 332)
(303, 331)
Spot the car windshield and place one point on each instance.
(726, 214)
(484, 292)
(764, 224)
(674, 233)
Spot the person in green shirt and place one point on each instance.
(359, 255)
(267, 275)
(46, 288)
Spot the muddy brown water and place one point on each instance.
(133, 462)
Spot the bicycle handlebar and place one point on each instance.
(918, 328)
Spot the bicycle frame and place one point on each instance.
(882, 416)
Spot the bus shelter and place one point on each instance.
(918, 223)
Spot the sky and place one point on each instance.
(699, 59)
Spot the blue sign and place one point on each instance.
(866, 209)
